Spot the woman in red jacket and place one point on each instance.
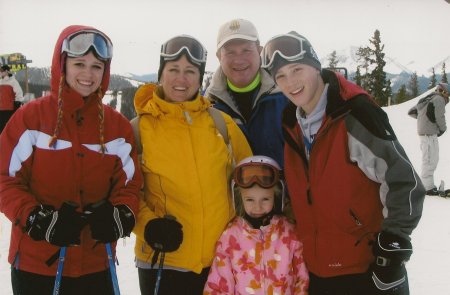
(68, 174)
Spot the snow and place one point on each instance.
(428, 268)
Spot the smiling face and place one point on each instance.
(257, 201)
(180, 80)
(240, 61)
(302, 84)
(84, 74)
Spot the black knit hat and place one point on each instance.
(309, 58)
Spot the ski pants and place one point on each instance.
(27, 283)
(429, 145)
(172, 281)
(351, 284)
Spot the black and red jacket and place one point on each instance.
(358, 180)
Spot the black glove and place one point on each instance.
(164, 234)
(388, 271)
(109, 223)
(58, 227)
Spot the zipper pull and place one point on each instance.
(188, 117)
(357, 221)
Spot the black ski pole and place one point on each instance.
(159, 274)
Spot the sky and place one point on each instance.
(411, 30)
(428, 269)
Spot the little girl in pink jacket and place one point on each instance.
(259, 252)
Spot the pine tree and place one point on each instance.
(127, 106)
(379, 84)
(433, 80)
(375, 81)
(414, 85)
(402, 95)
(363, 56)
(332, 60)
(444, 74)
(358, 78)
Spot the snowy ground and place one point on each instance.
(428, 268)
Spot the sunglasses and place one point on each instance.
(174, 47)
(80, 43)
(265, 175)
(286, 46)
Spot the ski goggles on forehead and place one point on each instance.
(266, 176)
(80, 43)
(175, 46)
(288, 47)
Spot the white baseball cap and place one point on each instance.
(236, 29)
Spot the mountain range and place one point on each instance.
(398, 73)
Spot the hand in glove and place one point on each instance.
(109, 223)
(58, 227)
(164, 234)
(388, 271)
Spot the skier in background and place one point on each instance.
(431, 124)
(11, 95)
(69, 178)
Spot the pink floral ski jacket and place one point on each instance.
(265, 261)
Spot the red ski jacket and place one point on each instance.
(74, 169)
(358, 180)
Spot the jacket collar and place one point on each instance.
(218, 88)
(148, 101)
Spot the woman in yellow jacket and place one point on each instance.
(186, 163)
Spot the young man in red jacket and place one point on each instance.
(355, 194)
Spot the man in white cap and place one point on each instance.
(246, 92)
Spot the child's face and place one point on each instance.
(257, 201)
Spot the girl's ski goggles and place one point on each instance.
(80, 43)
(174, 47)
(265, 175)
(287, 46)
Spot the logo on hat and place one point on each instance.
(235, 25)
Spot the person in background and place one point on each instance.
(186, 164)
(11, 95)
(355, 194)
(431, 124)
(259, 252)
(69, 178)
(244, 91)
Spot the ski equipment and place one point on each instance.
(62, 257)
(80, 43)
(159, 274)
(261, 170)
(112, 269)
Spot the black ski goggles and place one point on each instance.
(172, 49)
(80, 43)
(266, 176)
(286, 46)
